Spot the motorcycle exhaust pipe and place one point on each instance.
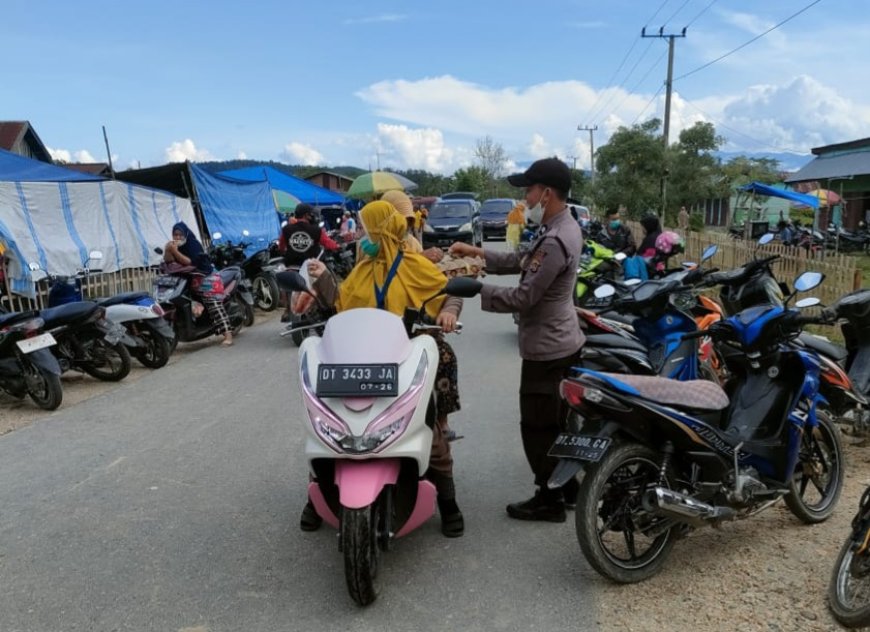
(684, 508)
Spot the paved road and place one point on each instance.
(173, 504)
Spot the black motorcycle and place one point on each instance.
(27, 367)
(849, 588)
(188, 317)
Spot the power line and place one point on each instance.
(658, 92)
(612, 95)
(640, 81)
(703, 11)
(739, 133)
(745, 44)
(674, 14)
(661, 6)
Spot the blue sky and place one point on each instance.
(416, 84)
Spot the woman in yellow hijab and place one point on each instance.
(391, 276)
(402, 203)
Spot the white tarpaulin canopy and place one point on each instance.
(56, 225)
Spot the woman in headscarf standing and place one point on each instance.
(186, 250)
(516, 221)
(414, 280)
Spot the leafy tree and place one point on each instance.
(693, 171)
(743, 170)
(629, 169)
(491, 156)
(471, 179)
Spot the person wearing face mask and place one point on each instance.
(616, 235)
(393, 277)
(549, 335)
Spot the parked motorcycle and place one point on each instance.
(188, 317)
(662, 457)
(598, 266)
(149, 337)
(849, 588)
(27, 367)
(86, 340)
(259, 268)
(368, 393)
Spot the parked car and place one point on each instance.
(581, 214)
(493, 217)
(460, 195)
(453, 220)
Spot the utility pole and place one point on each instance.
(668, 85)
(108, 153)
(591, 129)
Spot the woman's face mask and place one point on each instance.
(369, 247)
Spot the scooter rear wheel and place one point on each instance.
(266, 292)
(156, 352)
(110, 363)
(43, 387)
(360, 547)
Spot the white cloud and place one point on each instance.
(302, 154)
(65, 155)
(418, 148)
(242, 156)
(180, 151)
(373, 19)
(541, 120)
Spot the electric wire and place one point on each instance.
(674, 14)
(745, 44)
(703, 11)
(632, 90)
(612, 95)
(658, 92)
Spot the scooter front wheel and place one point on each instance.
(360, 547)
(43, 386)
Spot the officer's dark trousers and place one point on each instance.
(542, 412)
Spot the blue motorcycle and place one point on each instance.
(662, 456)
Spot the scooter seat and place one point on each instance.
(69, 313)
(615, 341)
(7, 319)
(229, 274)
(125, 297)
(822, 346)
(695, 394)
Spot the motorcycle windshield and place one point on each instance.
(364, 336)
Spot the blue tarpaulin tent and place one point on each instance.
(297, 187)
(231, 205)
(764, 189)
(15, 168)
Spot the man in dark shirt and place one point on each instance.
(616, 235)
(549, 333)
(303, 238)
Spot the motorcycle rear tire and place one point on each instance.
(266, 292)
(586, 514)
(156, 352)
(50, 394)
(112, 374)
(360, 547)
(249, 314)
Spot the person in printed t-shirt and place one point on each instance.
(549, 334)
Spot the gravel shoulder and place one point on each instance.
(768, 573)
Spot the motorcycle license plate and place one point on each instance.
(358, 380)
(581, 447)
(29, 345)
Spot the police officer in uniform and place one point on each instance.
(549, 333)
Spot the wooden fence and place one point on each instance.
(842, 274)
(94, 285)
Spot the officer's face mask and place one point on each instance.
(536, 213)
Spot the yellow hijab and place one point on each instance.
(416, 277)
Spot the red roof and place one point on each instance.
(11, 132)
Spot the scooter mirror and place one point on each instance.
(291, 281)
(690, 265)
(33, 266)
(158, 250)
(766, 238)
(95, 255)
(810, 301)
(807, 281)
(620, 257)
(463, 287)
(284, 223)
(216, 235)
(709, 252)
(605, 291)
(245, 233)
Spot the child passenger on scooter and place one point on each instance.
(370, 284)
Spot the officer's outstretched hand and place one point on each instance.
(459, 249)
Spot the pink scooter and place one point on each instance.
(368, 391)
